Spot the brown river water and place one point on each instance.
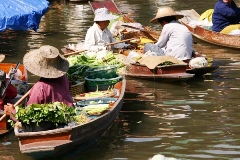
(194, 119)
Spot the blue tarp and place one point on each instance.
(22, 14)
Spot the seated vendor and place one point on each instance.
(53, 86)
(225, 13)
(99, 34)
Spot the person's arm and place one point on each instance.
(1, 104)
(11, 91)
(89, 39)
(226, 11)
(10, 110)
(164, 37)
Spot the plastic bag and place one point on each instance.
(198, 62)
(133, 57)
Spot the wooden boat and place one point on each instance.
(203, 70)
(168, 72)
(4, 125)
(207, 35)
(56, 142)
(200, 71)
(147, 32)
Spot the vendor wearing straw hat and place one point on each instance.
(53, 86)
(175, 39)
(98, 34)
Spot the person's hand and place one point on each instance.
(8, 108)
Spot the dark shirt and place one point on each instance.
(48, 90)
(224, 15)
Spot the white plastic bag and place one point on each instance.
(101, 54)
(198, 62)
(133, 57)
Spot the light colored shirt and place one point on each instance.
(48, 90)
(176, 41)
(95, 37)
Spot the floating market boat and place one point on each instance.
(55, 142)
(146, 33)
(168, 72)
(153, 35)
(5, 67)
(208, 35)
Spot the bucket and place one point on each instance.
(93, 85)
(102, 72)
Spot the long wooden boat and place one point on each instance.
(4, 125)
(207, 35)
(150, 34)
(168, 72)
(56, 142)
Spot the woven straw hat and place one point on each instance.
(102, 14)
(165, 12)
(2, 57)
(46, 62)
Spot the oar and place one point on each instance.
(144, 31)
(17, 103)
(76, 52)
(140, 29)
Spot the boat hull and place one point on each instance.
(169, 72)
(52, 143)
(207, 35)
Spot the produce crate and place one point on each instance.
(101, 84)
(102, 72)
(77, 89)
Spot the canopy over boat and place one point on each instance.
(22, 14)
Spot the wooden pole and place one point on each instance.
(76, 52)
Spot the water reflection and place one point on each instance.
(194, 119)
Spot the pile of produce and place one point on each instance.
(95, 106)
(80, 63)
(57, 113)
(97, 94)
(97, 109)
(82, 118)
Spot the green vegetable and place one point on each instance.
(166, 63)
(56, 112)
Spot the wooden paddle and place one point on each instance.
(17, 103)
(76, 52)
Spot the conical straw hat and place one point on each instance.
(46, 62)
(165, 12)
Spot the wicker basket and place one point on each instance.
(77, 89)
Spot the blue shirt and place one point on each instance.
(225, 15)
